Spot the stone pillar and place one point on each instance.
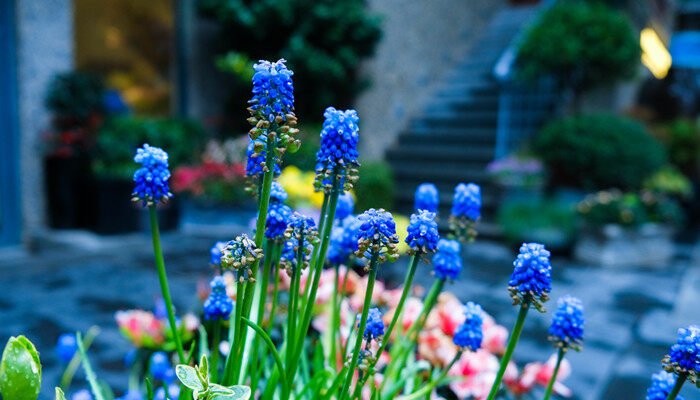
(44, 48)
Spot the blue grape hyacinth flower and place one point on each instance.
(337, 157)
(276, 223)
(447, 262)
(343, 241)
(301, 231)
(218, 305)
(684, 356)
(466, 210)
(239, 255)
(82, 394)
(566, 330)
(152, 177)
(427, 198)
(131, 394)
(160, 367)
(173, 393)
(273, 90)
(375, 324)
(255, 164)
(216, 252)
(422, 232)
(66, 347)
(377, 235)
(531, 279)
(661, 385)
(277, 193)
(470, 333)
(345, 206)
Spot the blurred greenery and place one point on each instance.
(375, 188)
(682, 137)
(629, 209)
(323, 41)
(583, 44)
(305, 157)
(120, 136)
(599, 151)
(545, 221)
(75, 95)
(670, 181)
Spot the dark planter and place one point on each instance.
(113, 210)
(66, 191)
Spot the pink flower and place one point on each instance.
(540, 374)
(142, 328)
(495, 339)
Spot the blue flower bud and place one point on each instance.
(470, 333)
(661, 385)
(152, 178)
(273, 90)
(218, 305)
(377, 235)
(345, 206)
(66, 347)
(466, 210)
(447, 262)
(375, 324)
(82, 394)
(338, 154)
(255, 165)
(131, 394)
(216, 252)
(427, 197)
(343, 241)
(567, 323)
(159, 366)
(276, 224)
(277, 193)
(684, 356)
(531, 279)
(422, 232)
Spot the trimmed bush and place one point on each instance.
(599, 152)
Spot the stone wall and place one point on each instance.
(44, 47)
(422, 40)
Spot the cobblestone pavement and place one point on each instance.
(78, 281)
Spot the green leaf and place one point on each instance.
(59, 394)
(188, 376)
(238, 392)
(20, 370)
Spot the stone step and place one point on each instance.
(441, 153)
(458, 136)
(467, 118)
(464, 103)
(418, 171)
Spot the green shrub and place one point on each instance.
(323, 42)
(599, 152)
(119, 138)
(583, 44)
(305, 157)
(544, 221)
(629, 209)
(682, 137)
(375, 188)
(75, 95)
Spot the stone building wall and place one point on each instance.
(422, 40)
(44, 47)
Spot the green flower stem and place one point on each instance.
(293, 308)
(311, 299)
(373, 266)
(74, 363)
(517, 329)
(89, 373)
(335, 321)
(550, 385)
(275, 355)
(216, 338)
(276, 289)
(162, 277)
(426, 390)
(680, 380)
(271, 251)
(230, 370)
(314, 256)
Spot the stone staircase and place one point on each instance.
(453, 138)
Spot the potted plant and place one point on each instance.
(518, 177)
(621, 229)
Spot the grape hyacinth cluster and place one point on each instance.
(343, 241)
(277, 193)
(276, 223)
(345, 206)
(469, 334)
(375, 324)
(239, 255)
(661, 385)
(684, 357)
(427, 198)
(218, 305)
(531, 279)
(423, 233)
(301, 235)
(152, 177)
(160, 367)
(272, 110)
(66, 347)
(337, 157)
(466, 210)
(255, 164)
(447, 262)
(377, 235)
(566, 330)
(216, 252)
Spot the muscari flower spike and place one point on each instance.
(276, 224)
(531, 279)
(374, 328)
(469, 334)
(684, 357)
(345, 206)
(343, 241)
(423, 233)
(160, 367)
(427, 198)
(82, 394)
(566, 330)
(447, 262)
(337, 157)
(277, 193)
(218, 305)
(256, 166)
(272, 107)
(377, 235)
(661, 385)
(151, 178)
(239, 255)
(216, 252)
(466, 210)
(66, 347)
(301, 231)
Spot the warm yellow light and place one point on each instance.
(654, 53)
